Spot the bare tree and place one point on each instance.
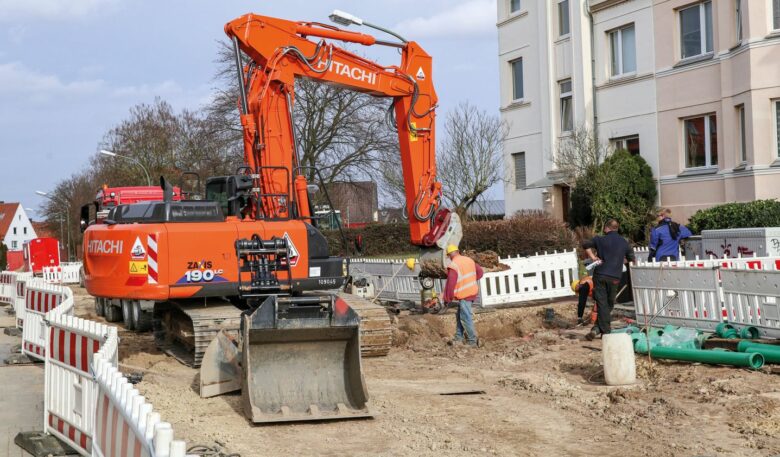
(342, 133)
(470, 159)
(578, 153)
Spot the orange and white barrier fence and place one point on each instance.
(64, 273)
(71, 392)
(43, 302)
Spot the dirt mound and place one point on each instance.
(418, 331)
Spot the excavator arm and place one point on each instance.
(281, 51)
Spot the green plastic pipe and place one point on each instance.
(770, 352)
(749, 333)
(725, 330)
(751, 360)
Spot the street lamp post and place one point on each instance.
(114, 154)
(67, 218)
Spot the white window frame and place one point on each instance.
(619, 31)
(703, 31)
(522, 79)
(14, 244)
(776, 120)
(738, 24)
(742, 139)
(623, 142)
(568, 19)
(515, 155)
(707, 142)
(562, 97)
(774, 10)
(519, 7)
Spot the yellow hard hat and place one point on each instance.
(574, 285)
(410, 263)
(451, 248)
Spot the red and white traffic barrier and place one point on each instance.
(64, 273)
(7, 280)
(43, 302)
(692, 293)
(125, 423)
(71, 392)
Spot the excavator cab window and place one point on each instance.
(216, 191)
(231, 192)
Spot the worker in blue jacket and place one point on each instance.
(665, 237)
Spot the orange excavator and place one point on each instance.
(250, 257)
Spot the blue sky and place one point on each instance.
(71, 69)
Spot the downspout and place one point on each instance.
(593, 76)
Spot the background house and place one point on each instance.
(691, 86)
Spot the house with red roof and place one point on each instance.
(15, 226)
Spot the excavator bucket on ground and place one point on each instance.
(299, 361)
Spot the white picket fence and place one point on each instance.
(528, 278)
(88, 403)
(65, 273)
(702, 293)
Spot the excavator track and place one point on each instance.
(184, 329)
(376, 328)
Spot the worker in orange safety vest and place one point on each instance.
(463, 275)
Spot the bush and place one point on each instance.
(581, 211)
(3, 256)
(624, 189)
(759, 213)
(526, 233)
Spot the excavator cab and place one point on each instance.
(231, 192)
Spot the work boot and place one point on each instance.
(454, 342)
(593, 334)
(581, 322)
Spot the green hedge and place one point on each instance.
(759, 213)
(524, 234)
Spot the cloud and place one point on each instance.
(17, 33)
(50, 9)
(17, 79)
(168, 87)
(473, 18)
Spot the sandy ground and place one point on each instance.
(543, 396)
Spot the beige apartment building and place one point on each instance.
(692, 86)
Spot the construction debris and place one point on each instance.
(488, 260)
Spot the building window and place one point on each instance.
(567, 121)
(519, 159)
(623, 44)
(701, 142)
(517, 79)
(627, 143)
(14, 230)
(563, 17)
(25, 230)
(777, 126)
(776, 14)
(514, 6)
(742, 133)
(13, 244)
(739, 20)
(696, 30)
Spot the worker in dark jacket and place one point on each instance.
(463, 275)
(666, 236)
(613, 252)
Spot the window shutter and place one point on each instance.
(520, 182)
